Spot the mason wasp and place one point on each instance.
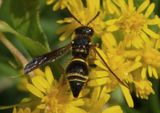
(77, 70)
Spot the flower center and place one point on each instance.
(132, 22)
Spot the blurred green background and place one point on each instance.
(36, 20)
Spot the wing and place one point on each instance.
(105, 63)
(46, 58)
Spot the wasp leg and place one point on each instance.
(108, 67)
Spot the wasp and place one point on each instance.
(77, 70)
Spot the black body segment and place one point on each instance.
(79, 66)
(77, 75)
(76, 87)
(81, 46)
(85, 31)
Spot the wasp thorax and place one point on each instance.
(84, 30)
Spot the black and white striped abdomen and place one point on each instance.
(77, 75)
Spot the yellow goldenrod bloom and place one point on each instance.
(98, 100)
(84, 15)
(151, 62)
(25, 110)
(134, 21)
(54, 97)
(143, 89)
(149, 58)
(121, 68)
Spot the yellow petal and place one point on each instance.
(14, 110)
(78, 102)
(104, 97)
(150, 10)
(34, 91)
(154, 72)
(75, 6)
(113, 109)
(145, 38)
(72, 109)
(150, 71)
(143, 72)
(20, 110)
(154, 21)
(93, 6)
(99, 74)
(56, 6)
(49, 2)
(41, 106)
(97, 82)
(42, 82)
(138, 58)
(151, 33)
(101, 53)
(36, 83)
(112, 28)
(49, 75)
(131, 5)
(121, 4)
(27, 110)
(143, 6)
(99, 64)
(135, 66)
(109, 40)
(157, 46)
(127, 96)
(112, 8)
(111, 21)
(95, 94)
(38, 72)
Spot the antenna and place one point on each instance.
(89, 21)
(76, 19)
(93, 18)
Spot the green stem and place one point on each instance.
(13, 50)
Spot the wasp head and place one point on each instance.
(84, 30)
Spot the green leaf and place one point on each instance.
(4, 27)
(27, 19)
(6, 69)
(34, 47)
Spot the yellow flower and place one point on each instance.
(84, 15)
(143, 89)
(98, 100)
(120, 67)
(25, 110)
(53, 96)
(58, 4)
(134, 22)
(149, 57)
(113, 109)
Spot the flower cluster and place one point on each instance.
(52, 96)
(127, 57)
